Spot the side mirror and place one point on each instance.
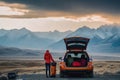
(60, 58)
(90, 58)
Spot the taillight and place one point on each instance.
(90, 64)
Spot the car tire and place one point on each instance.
(53, 76)
(91, 74)
(61, 74)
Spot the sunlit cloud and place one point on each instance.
(11, 9)
(44, 16)
(81, 13)
(94, 18)
(4, 10)
(90, 18)
(48, 23)
(13, 5)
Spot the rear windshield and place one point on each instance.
(78, 44)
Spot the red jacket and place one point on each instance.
(47, 57)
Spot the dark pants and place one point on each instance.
(47, 66)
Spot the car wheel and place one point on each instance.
(53, 76)
(91, 74)
(61, 74)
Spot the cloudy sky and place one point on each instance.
(62, 15)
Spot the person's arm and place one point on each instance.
(51, 58)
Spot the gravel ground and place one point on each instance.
(35, 70)
(42, 77)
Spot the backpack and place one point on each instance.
(76, 64)
(83, 62)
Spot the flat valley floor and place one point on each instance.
(35, 70)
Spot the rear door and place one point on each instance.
(76, 43)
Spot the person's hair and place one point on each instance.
(47, 50)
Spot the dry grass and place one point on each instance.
(37, 66)
(106, 67)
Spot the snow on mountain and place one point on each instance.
(83, 32)
(103, 39)
(23, 38)
(3, 32)
(55, 35)
(16, 33)
(58, 46)
(106, 31)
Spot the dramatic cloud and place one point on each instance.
(48, 15)
(67, 8)
(14, 9)
(73, 6)
(4, 10)
(13, 5)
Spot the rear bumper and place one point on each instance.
(74, 72)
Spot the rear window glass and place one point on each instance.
(79, 44)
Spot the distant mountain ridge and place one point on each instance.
(55, 35)
(22, 38)
(104, 39)
(11, 52)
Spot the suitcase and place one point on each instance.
(53, 69)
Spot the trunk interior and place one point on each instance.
(76, 59)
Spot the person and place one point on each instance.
(48, 59)
(69, 60)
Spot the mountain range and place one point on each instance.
(23, 38)
(105, 39)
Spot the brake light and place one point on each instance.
(89, 64)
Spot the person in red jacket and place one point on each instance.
(48, 59)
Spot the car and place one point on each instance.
(76, 60)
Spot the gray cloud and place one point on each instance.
(72, 7)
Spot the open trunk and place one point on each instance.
(76, 43)
(76, 59)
